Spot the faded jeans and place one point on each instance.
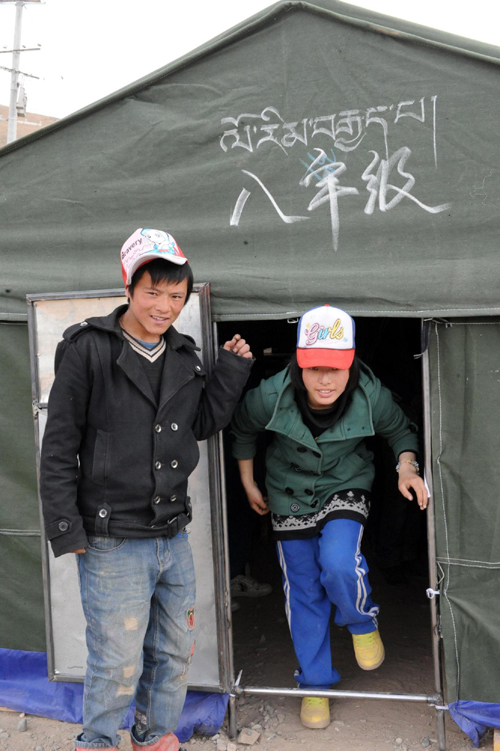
(138, 598)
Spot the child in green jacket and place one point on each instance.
(320, 409)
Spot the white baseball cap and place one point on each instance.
(146, 245)
(325, 338)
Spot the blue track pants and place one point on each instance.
(325, 570)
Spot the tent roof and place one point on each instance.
(315, 152)
(328, 9)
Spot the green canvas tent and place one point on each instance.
(316, 152)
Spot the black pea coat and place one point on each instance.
(113, 461)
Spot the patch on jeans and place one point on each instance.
(131, 623)
(190, 618)
(125, 691)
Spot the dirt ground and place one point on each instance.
(369, 727)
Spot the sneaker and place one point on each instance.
(246, 586)
(315, 712)
(369, 650)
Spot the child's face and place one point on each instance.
(324, 385)
(154, 308)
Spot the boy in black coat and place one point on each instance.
(126, 410)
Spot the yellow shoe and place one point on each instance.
(315, 712)
(369, 650)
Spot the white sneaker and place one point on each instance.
(246, 586)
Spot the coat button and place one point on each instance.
(174, 426)
(198, 368)
(308, 491)
(315, 453)
(157, 499)
(63, 526)
(289, 491)
(158, 465)
(174, 463)
(294, 508)
(84, 323)
(302, 449)
(103, 513)
(158, 428)
(314, 504)
(173, 498)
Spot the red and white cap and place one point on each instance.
(146, 245)
(325, 338)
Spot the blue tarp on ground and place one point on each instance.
(25, 687)
(475, 717)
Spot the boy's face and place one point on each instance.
(154, 307)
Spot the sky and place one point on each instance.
(90, 49)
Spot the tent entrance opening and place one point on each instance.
(394, 541)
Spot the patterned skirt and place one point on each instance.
(345, 504)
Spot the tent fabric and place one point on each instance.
(24, 686)
(475, 717)
(362, 172)
(465, 405)
(21, 592)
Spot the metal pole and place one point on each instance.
(14, 76)
(431, 537)
(232, 713)
(335, 694)
(232, 717)
(226, 650)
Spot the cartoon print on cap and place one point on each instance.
(161, 240)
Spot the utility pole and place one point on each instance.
(14, 76)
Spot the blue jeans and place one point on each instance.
(326, 569)
(138, 598)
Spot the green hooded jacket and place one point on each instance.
(302, 473)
